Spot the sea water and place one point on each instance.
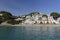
(29, 33)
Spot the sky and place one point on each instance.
(22, 7)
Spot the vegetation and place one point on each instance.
(44, 15)
(55, 15)
(33, 13)
(13, 22)
(7, 16)
(1, 21)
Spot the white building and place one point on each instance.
(51, 20)
(27, 17)
(44, 20)
(29, 21)
(58, 20)
(18, 19)
(1, 14)
(38, 19)
(35, 17)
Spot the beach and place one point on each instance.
(32, 25)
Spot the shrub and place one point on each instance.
(13, 22)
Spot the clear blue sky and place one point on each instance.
(21, 7)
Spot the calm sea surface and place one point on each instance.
(29, 33)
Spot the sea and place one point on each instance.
(29, 33)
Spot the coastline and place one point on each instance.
(32, 25)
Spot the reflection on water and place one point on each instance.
(29, 33)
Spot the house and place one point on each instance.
(28, 16)
(1, 14)
(44, 20)
(51, 20)
(58, 20)
(18, 19)
(29, 21)
(39, 18)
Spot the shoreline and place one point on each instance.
(32, 25)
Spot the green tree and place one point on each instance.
(1, 20)
(55, 15)
(33, 13)
(13, 22)
(44, 15)
(6, 15)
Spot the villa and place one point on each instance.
(34, 18)
(18, 19)
(29, 21)
(58, 20)
(38, 19)
(1, 14)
